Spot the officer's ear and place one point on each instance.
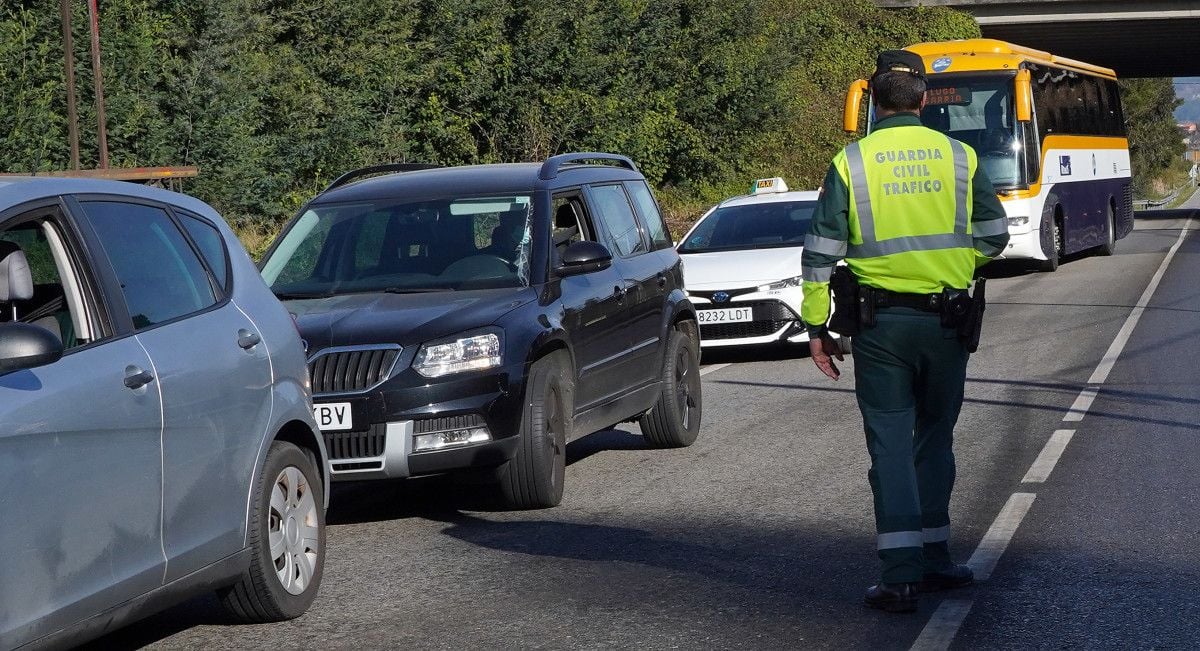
(924, 98)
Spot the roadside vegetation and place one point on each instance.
(1156, 150)
(273, 100)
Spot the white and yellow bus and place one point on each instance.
(1049, 132)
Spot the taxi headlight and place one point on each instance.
(794, 281)
(474, 352)
(1019, 220)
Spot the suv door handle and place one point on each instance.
(247, 339)
(136, 378)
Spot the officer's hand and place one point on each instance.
(823, 350)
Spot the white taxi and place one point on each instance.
(741, 266)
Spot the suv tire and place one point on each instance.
(288, 502)
(674, 421)
(534, 478)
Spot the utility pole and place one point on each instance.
(94, 14)
(69, 50)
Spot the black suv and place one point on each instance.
(482, 316)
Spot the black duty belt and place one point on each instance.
(923, 302)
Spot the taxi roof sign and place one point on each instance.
(769, 186)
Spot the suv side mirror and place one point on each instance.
(27, 346)
(584, 257)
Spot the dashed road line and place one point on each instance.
(1081, 406)
(996, 540)
(943, 626)
(1048, 458)
(713, 368)
(1084, 402)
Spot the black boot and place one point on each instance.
(892, 597)
(957, 576)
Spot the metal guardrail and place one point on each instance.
(1142, 204)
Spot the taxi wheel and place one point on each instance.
(674, 421)
(844, 345)
(287, 540)
(534, 478)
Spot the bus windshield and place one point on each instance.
(977, 109)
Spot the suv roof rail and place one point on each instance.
(551, 166)
(377, 169)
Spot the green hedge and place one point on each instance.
(273, 99)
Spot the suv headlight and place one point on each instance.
(1018, 221)
(474, 352)
(795, 281)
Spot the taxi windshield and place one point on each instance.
(977, 109)
(751, 226)
(445, 244)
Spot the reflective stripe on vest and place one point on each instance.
(825, 245)
(872, 247)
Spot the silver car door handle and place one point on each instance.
(136, 378)
(247, 339)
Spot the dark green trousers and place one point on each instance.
(909, 374)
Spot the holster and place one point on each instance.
(846, 301)
(964, 313)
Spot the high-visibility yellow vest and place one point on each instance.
(910, 210)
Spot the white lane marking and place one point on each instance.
(939, 632)
(1048, 458)
(996, 540)
(715, 367)
(1081, 406)
(943, 626)
(1084, 402)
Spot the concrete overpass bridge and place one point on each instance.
(1137, 38)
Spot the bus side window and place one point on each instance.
(1116, 115)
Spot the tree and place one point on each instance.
(1154, 141)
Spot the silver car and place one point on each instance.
(156, 430)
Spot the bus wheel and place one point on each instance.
(1110, 243)
(1051, 237)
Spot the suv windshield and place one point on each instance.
(978, 110)
(383, 246)
(751, 226)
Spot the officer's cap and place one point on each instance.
(900, 61)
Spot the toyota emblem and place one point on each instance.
(721, 297)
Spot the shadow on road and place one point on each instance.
(760, 353)
(199, 611)
(376, 501)
(1129, 397)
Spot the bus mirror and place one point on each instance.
(854, 100)
(1024, 96)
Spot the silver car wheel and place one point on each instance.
(293, 531)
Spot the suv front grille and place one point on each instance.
(769, 318)
(447, 423)
(356, 445)
(347, 370)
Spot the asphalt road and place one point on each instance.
(761, 534)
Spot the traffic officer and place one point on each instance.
(912, 214)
